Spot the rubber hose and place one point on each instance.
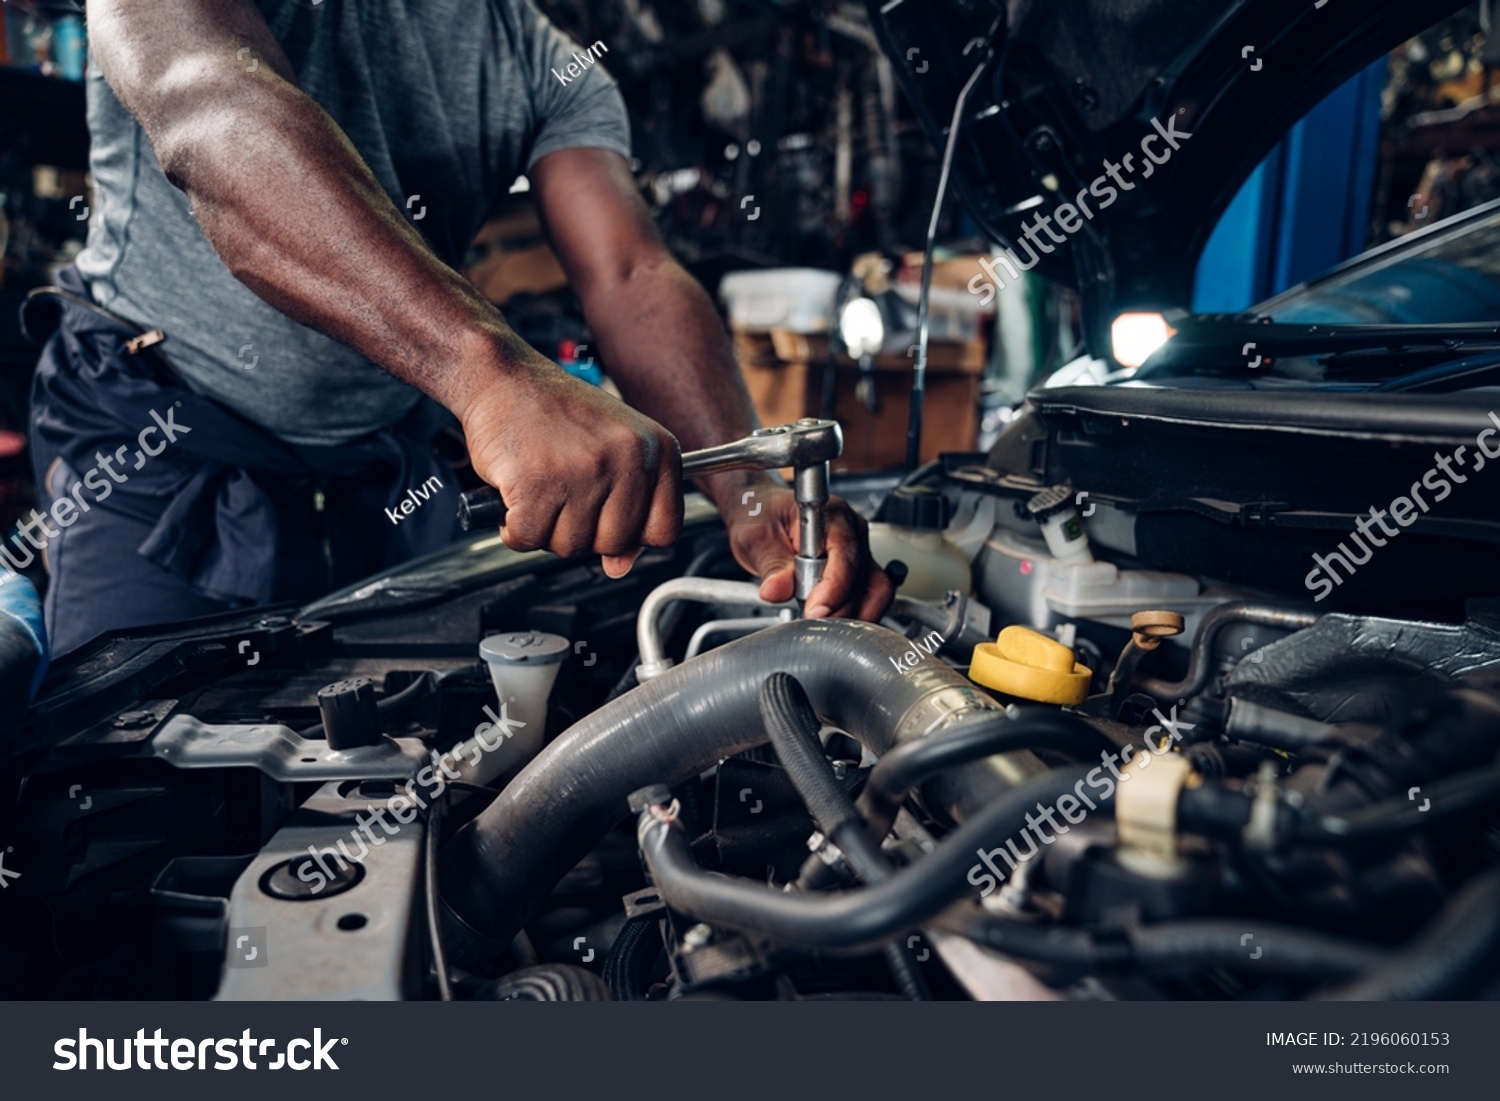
(630, 958)
(793, 728)
(906, 973)
(1205, 944)
(846, 919)
(498, 869)
(965, 741)
(1184, 945)
(792, 725)
(971, 739)
(1454, 957)
(1444, 798)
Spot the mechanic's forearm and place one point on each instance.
(310, 231)
(298, 217)
(668, 352)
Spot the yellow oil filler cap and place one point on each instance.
(1030, 666)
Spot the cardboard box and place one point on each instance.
(784, 374)
(515, 258)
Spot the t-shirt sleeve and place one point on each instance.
(576, 103)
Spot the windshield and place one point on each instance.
(1451, 277)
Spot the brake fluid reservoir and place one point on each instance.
(909, 528)
(523, 667)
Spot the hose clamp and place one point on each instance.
(1146, 816)
(656, 815)
(1259, 833)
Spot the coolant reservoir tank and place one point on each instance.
(523, 667)
(909, 528)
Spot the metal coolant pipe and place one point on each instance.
(498, 870)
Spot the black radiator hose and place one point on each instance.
(846, 919)
(962, 742)
(793, 727)
(1455, 957)
(970, 739)
(630, 958)
(498, 869)
(1179, 946)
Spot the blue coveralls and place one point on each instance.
(225, 516)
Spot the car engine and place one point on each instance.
(1105, 769)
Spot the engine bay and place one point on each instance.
(1089, 772)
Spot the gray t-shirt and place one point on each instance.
(447, 101)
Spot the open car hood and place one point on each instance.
(1071, 84)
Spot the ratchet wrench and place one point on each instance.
(807, 446)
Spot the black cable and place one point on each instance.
(924, 299)
(420, 688)
(434, 928)
(847, 919)
(430, 888)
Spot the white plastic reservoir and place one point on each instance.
(523, 667)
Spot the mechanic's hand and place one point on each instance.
(578, 469)
(766, 544)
